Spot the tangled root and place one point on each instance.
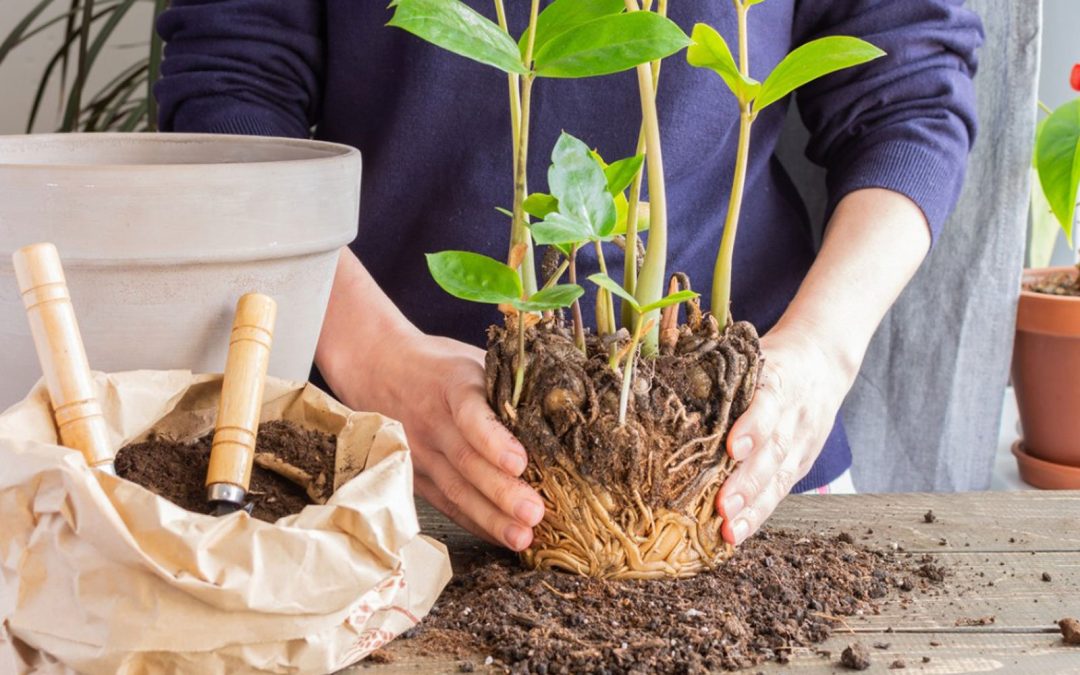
(633, 500)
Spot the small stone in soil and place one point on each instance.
(929, 517)
(1070, 631)
(882, 645)
(380, 656)
(466, 667)
(926, 659)
(897, 664)
(1046, 577)
(855, 657)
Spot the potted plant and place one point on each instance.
(1046, 354)
(625, 425)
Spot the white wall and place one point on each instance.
(20, 73)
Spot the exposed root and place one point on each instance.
(630, 500)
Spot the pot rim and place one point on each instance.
(322, 151)
(1045, 314)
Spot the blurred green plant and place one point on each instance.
(126, 101)
(1056, 161)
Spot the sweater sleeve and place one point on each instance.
(241, 66)
(906, 121)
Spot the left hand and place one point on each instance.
(777, 439)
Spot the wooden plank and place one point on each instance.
(1035, 653)
(974, 521)
(996, 546)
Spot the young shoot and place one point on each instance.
(641, 325)
(568, 39)
(805, 64)
(478, 278)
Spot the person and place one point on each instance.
(434, 132)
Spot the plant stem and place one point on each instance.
(628, 370)
(559, 271)
(519, 233)
(514, 81)
(575, 309)
(519, 374)
(721, 287)
(650, 284)
(1045, 108)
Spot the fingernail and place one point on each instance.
(741, 447)
(739, 529)
(529, 512)
(732, 505)
(513, 463)
(516, 537)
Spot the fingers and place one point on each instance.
(755, 490)
(428, 490)
(753, 429)
(483, 431)
(454, 495)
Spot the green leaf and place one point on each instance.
(751, 3)
(620, 174)
(711, 51)
(578, 182)
(475, 277)
(673, 299)
(559, 230)
(608, 284)
(610, 44)
(1044, 227)
(562, 15)
(1058, 161)
(813, 60)
(556, 297)
(539, 205)
(622, 207)
(456, 27)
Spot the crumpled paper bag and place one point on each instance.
(100, 575)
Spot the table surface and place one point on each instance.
(999, 544)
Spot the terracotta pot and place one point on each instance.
(161, 233)
(1046, 372)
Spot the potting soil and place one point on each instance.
(781, 592)
(176, 470)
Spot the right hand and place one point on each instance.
(466, 462)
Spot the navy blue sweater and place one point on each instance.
(434, 131)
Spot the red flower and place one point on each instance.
(1074, 77)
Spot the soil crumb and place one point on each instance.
(929, 517)
(855, 657)
(176, 470)
(1065, 283)
(1070, 631)
(979, 621)
(782, 591)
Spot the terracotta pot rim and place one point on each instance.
(1045, 474)
(1057, 315)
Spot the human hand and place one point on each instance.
(777, 439)
(466, 462)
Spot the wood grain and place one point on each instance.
(1004, 539)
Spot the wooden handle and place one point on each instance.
(233, 449)
(60, 350)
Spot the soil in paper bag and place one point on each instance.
(176, 470)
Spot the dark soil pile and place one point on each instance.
(1066, 283)
(176, 470)
(782, 591)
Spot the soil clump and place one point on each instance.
(294, 467)
(855, 657)
(782, 592)
(1065, 283)
(1070, 631)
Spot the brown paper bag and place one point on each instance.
(100, 575)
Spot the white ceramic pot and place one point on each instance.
(160, 234)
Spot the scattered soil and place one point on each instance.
(1046, 577)
(976, 621)
(1070, 631)
(929, 517)
(783, 591)
(897, 664)
(1066, 283)
(176, 469)
(855, 657)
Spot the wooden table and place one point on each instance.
(1000, 544)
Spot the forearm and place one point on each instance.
(361, 321)
(874, 243)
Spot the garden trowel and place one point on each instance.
(233, 449)
(80, 422)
